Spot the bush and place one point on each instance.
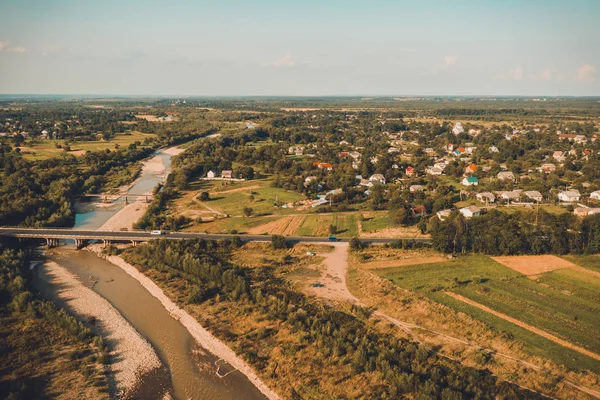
(278, 242)
(355, 244)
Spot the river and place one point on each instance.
(189, 371)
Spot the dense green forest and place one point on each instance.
(525, 232)
(404, 367)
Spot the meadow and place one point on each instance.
(564, 303)
(43, 149)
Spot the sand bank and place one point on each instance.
(133, 355)
(126, 217)
(202, 336)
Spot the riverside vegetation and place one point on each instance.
(278, 330)
(45, 352)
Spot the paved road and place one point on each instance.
(66, 233)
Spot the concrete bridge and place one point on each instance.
(81, 237)
(110, 197)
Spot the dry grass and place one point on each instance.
(462, 337)
(533, 265)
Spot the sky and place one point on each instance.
(300, 47)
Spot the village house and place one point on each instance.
(533, 195)
(419, 210)
(471, 168)
(595, 195)
(296, 150)
(470, 212)
(210, 174)
(548, 168)
(494, 149)
(486, 197)
(409, 171)
(506, 176)
(580, 139)
(366, 183)
(585, 211)
(377, 178)
(559, 156)
(470, 181)
(513, 195)
(434, 171)
(443, 214)
(309, 179)
(569, 196)
(416, 188)
(458, 128)
(227, 174)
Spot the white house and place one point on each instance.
(506, 176)
(534, 195)
(443, 214)
(227, 174)
(377, 178)
(559, 156)
(210, 174)
(486, 197)
(470, 212)
(595, 195)
(416, 188)
(513, 195)
(569, 196)
(470, 181)
(458, 128)
(434, 171)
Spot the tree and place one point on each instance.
(248, 211)
(332, 229)
(278, 242)
(355, 244)
(204, 196)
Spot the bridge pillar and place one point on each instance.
(51, 242)
(106, 242)
(80, 243)
(135, 242)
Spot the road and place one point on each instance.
(67, 233)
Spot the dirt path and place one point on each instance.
(524, 325)
(196, 199)
(240, 189)
(335, 288)
(334, 278)
(403, 262)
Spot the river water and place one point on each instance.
(189, 371)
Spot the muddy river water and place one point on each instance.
(189, 371)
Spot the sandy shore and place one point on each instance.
(133, 355)
(174, 151)
(202, 336)
(126, 217)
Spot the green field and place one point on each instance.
(564, 302)
(262, 202)
(588, 261)
(376, 223)
(46, 148)
(315, 225)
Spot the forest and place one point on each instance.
(525, 232)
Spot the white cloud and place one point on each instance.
(516, 73)
(585, 74)
(450, 61)
(5, 46)
(287, 61)
(546, 75)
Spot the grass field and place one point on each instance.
(375, 222)
(45, 149)
(563, 302)
(591, 262)
(316, 225)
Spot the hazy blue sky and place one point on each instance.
(302, 47)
